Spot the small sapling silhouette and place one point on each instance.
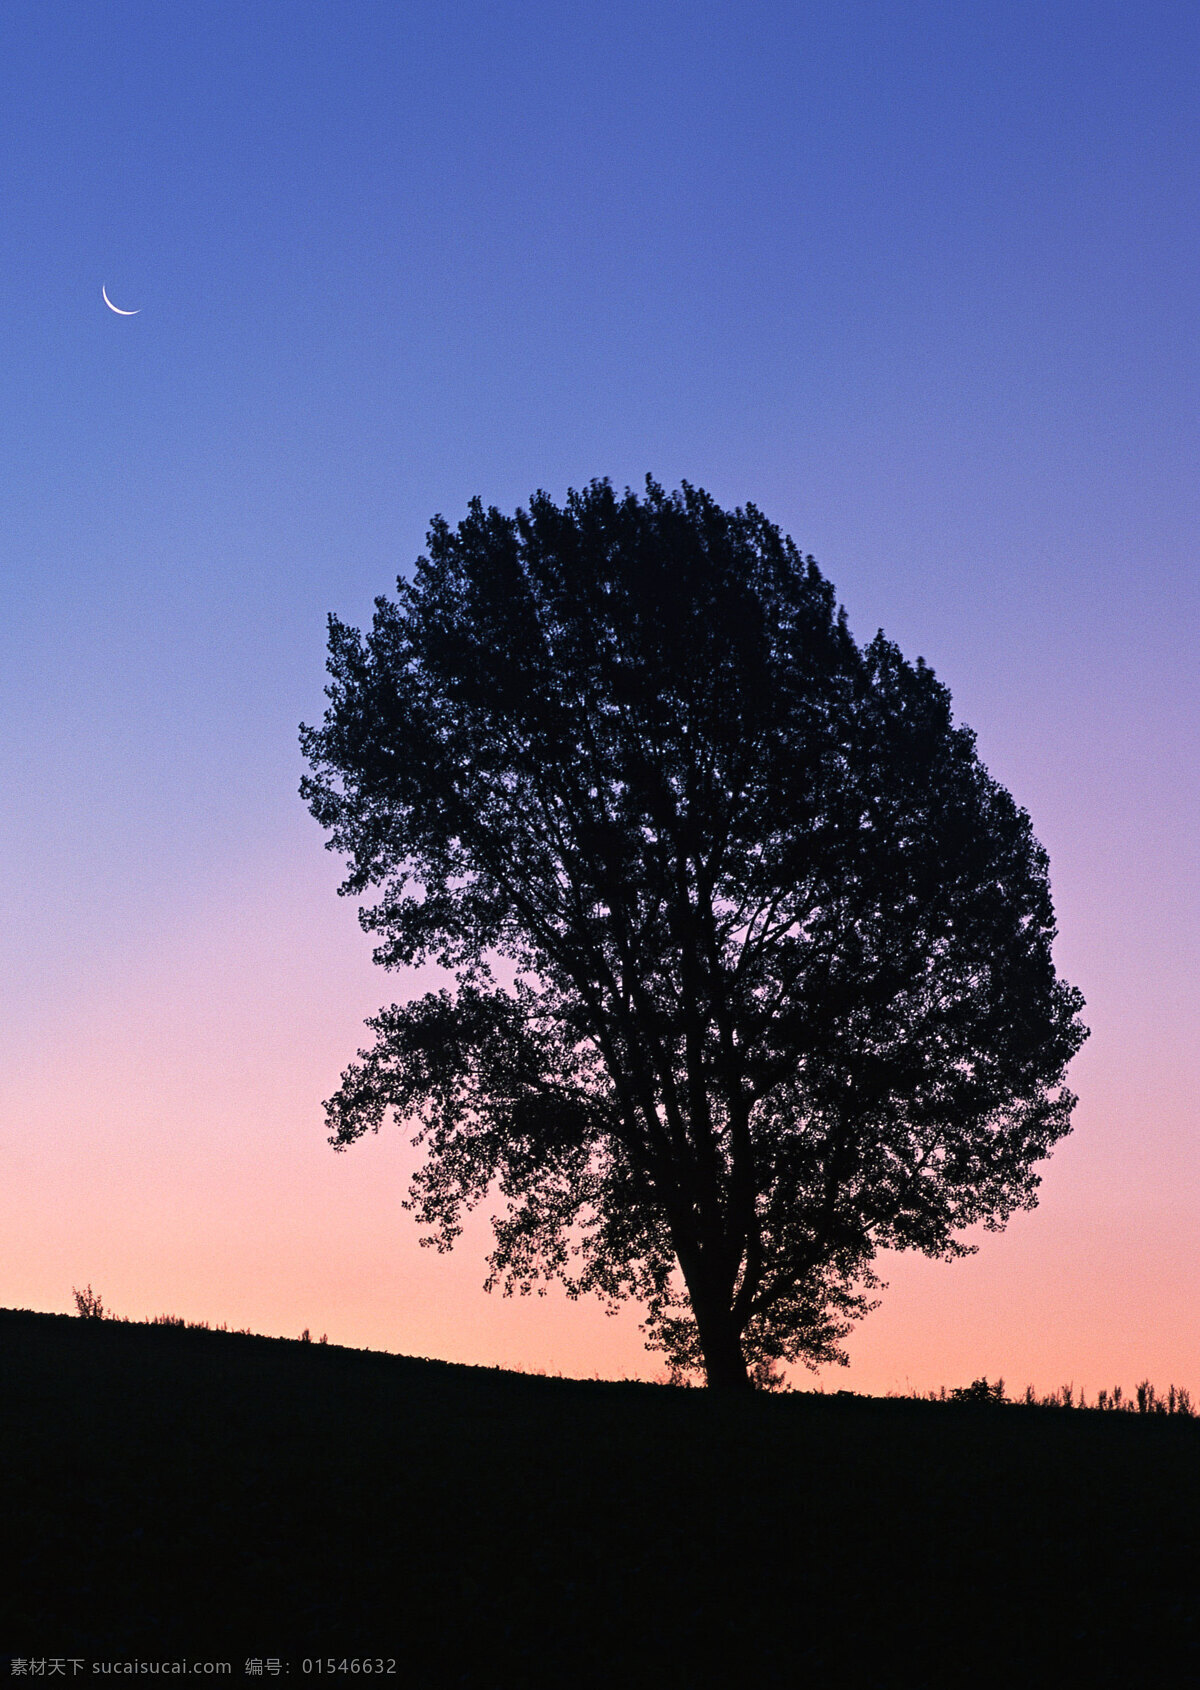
(89, 1305)
(979, 1390)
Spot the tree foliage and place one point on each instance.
(750, 957)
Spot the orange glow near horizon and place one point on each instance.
(183, 1140)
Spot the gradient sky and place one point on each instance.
(917, 277)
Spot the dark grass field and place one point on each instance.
(173, 1492)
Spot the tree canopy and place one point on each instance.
(748, 958)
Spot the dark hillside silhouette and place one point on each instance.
(783, 982)
(173, 1492)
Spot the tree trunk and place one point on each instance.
(724, 1363)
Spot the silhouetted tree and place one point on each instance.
(751, 957)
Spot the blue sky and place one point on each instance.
(919, 279)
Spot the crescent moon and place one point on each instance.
(117, 308)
